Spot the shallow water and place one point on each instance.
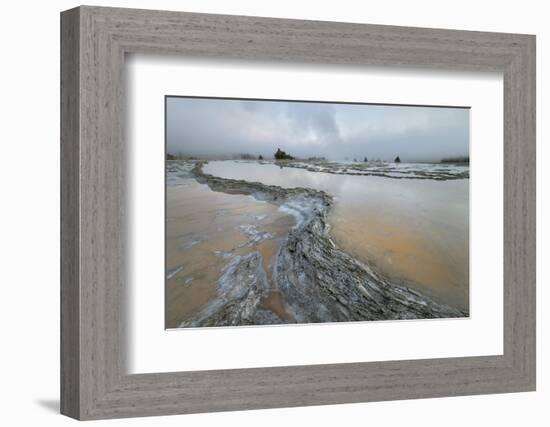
(413, 231)
(204, 231)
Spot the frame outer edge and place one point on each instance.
(520, 216)
(70, 396)
(527, 78)
(532, 137)
(88, 388)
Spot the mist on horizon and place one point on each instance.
(219, 128)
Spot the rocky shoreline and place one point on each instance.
(318, 282)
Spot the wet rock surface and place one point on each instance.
(241, 289)
(318, 282)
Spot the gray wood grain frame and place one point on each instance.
(94, 381)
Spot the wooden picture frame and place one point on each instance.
(94, 382)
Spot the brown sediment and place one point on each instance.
(185, 301)
(268, 249)
(202, 234)
(275, 303)
(402, 254)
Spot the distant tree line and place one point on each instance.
(179, 156)
(283, 155)
(247, 156)
(459, 159)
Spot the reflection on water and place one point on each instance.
(413, 231)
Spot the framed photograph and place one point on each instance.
(263, 213)
(319, 233)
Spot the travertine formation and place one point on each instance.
(318, 281)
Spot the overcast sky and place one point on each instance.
(220, 127)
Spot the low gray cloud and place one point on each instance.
(221, 127)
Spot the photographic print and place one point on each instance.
(295, 212)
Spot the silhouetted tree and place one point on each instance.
(260, 157)
(365, 160)
(397, 160)
(281, 155)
